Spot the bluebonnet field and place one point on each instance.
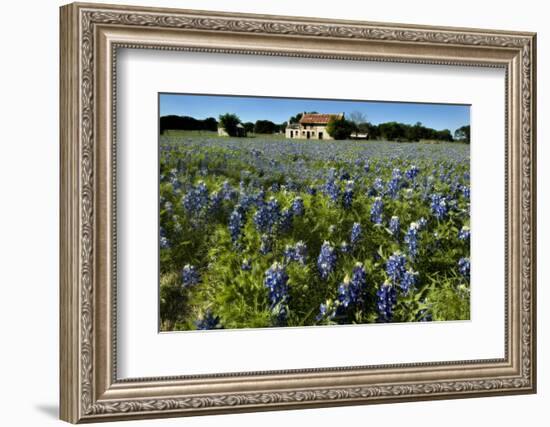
(270, 232)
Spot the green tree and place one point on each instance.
(462, 134)
(444, 135)
(210, 123)
(393, 131)
(340, 128)
(229, 122)
(359, 119)
(372, 131)
(414, 133)
(264, 126)
(296, 118)
(248, 127)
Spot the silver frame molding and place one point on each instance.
(90, 37)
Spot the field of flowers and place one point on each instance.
(271, 232)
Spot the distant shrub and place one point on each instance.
(265, 126)
(229, 122)
(340, 128)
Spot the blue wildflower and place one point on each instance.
(466, 191)
(347, 198)
(464, 233)
(393, 188)
(376, 210)
(189, 275)
(246, 200)
(311, 190)
(344, 247)
(276, 281)
(290, 185)
(296, 253)
(395, 226)
(196, 198)
(245, 265)
(300, 252)
(424, 315)
(455, 186)
(411, 239)
(356, 232)
(464, 267)
(396, 174)
(409, 282)
(208, 321)
(173, 179)
(236, 223)
(366, 166)
(386, 301)
(412, 172)
(323, 309)
(285, 223)
(267, 215)
(326, 260)
(326, 311)
(228, 193)
(351, 291)
(259, 198)
(359, 277)
(164, 242)
(298, 206)
(332, 189)
(378, 185)
(439, 206)
(396, 267)
(345, 294)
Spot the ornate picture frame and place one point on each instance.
(90, 37)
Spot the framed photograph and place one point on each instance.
(269, 212)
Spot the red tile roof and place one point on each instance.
(319, 118)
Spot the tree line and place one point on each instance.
(173, 122)
(357, 125)
(228, 121)
(342, 128)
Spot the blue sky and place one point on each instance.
(278, 110)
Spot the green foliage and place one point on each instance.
(462, 134)
(229, 122)
(173, 301)
(187, 123)
(340, 128)
(248, 127)
(402, 132)
(265, 126)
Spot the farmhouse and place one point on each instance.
(311, 126)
